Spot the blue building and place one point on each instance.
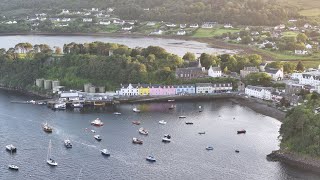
(185, 89)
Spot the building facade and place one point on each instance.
(185, 89)
(259, 92)
(214, 72)
(144, 90)
(129, 90)
(248, 70)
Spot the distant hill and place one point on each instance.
(306, 7)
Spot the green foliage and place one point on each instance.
(300, 67)
(258, 79)
(189, 57)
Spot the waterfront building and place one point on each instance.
(259, 92)
(144, 89)
(248, 70)
(185, 89)
(221, 87)
(129, 90)
(70, 96)
(204, 88)
(168, 90)
(155, 90)
(308, 78)
(214, 71)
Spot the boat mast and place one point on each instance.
(49, 148)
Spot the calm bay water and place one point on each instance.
(179, 47)
(184, 158)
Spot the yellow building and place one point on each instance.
(144, 90)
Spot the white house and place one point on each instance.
(181, 33)
(129, 90)
(221, 87)
(65, 11)
(308, 78)
(127, 28)
(280, 27)
(104, 22)
(71, 96)
(151, 24)
(307, 26)
(87, 19)
(94, 9)
(194, 26)
(214, 72)
(185, 89)
(159, 32)
(204, 88)
(228, 26)
(308, 46)
(259, 92)
(171, 25)
(65, 20)
(276, 74)
(207, 26)
(182, 26)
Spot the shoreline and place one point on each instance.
(297, 160)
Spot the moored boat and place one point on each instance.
(166, 138)
(60, 106)
(171, 100)
(105, 152)
(136, 110)
(241, 131)
(136, 122)
(209, 148)
(136, 141)
(13, 167)
(189, 123)
(202, 132)
(151, 159)
(162, 122)
(47, 128)
(237, 151)
(143, 131)
(172, 106)
(77, 105)
(117, 113)
(67, 143)
(11, 148)
(97, 122)
(182, 117)
(97, 137)
(50, 161)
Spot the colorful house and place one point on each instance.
(155, 90)
(168, 90)
(144, 90)
(129, 90)
(185, 89)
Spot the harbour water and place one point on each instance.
(184, 158)
(175, 46)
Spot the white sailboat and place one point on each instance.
(50, 161)
(12, 166)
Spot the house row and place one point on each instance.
(264, 93)
(165, 90)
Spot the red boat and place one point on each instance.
(136, 122)
(241, 131)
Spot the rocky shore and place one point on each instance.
(297, 160)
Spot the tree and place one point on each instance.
(302, 38)
(225, 70)
(300, 67)
(276, 64)
(189, 57)
(58, 50)
(288, 67)
(262, 79)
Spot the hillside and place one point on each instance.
(306, 7)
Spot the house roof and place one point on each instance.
(216, 68)
(251, 69)
(259, 88)
(272, 70)
(188, 70)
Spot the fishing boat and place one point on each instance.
(241, 131)
(97, 137)
(143, 131)
(209, 148)
(47, 128)
(162, 122)
(67, 143)
(172, 106)
(117, 113)
(76, 105)
(13, 167)
(11, 148)
(105, 152)
(136, 110)
(97, 122)
(50, 161)
(136, 141)
(151, 159)
(136, 122)
(189, 123)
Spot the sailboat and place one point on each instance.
(200, 109)
(50, 161)
(12, 166)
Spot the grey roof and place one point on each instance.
(188, 70)
(250, 69)
(271, 70)
(216, 68)
(259, 88)
(203, 84)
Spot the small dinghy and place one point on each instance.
(136, 122)
(67, 143)
(162, 122)
(117, 113)
(13, 167)
(241, 131)
(237, 151)
(202, 132)
(136, 141)
(143, 131)
(97, 122)
(136, 110)
(93, 131)
(189, 123)
(11, 148)
(181, 117)
(166, 138)
(105, 152)
(209, 148)
(172, 107)
(151, 159)
(97, 137)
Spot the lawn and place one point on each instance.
(310, 12)
(201, 33)
(289, 56)
(308, 7)
(289, 34)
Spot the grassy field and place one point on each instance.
(310, 12)
(289, 34)
(288, 56)
(308, 7)
(201, 33)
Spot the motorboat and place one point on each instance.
(136, 110)
(136, 141)
(200, 109)
(202, 132)
(60, 106)
(166, 138)
(47, 128)
(237, 151)
(11, 148)
(162, 122)
(172, 106)
(105, 152)
(143, 131)
(93, 131)
(117, 113)
(151, 159)
(50, 161)
(182, 117)
(77, 105)
(97, 137)
(189, 123)
(13, 167)
(136, 122)
(209, 148)
(241, 131)
(67, 143)
(171, 100)
(97, 122)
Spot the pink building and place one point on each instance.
(162, 90)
